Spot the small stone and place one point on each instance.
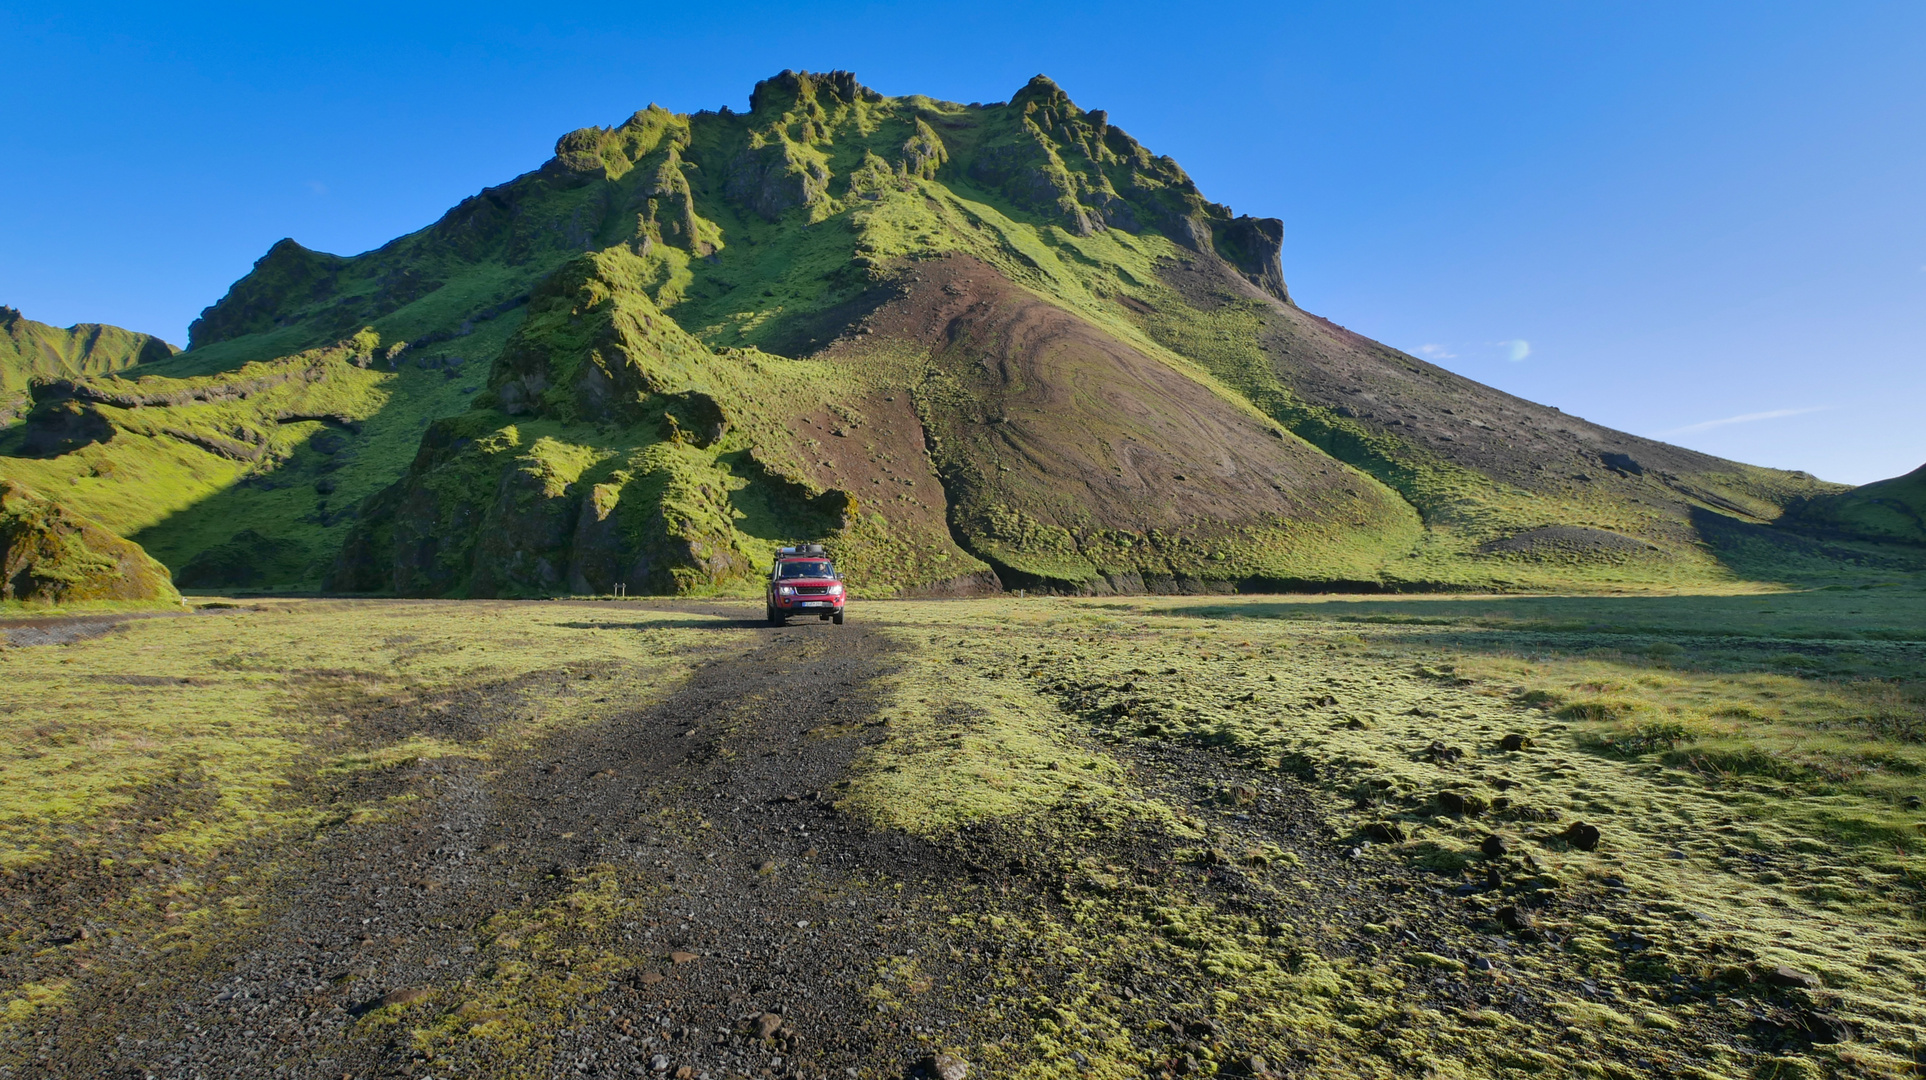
(403, 995)
(680, 957)
(1240, 795)
(1384, 832)
(686, 1072)
(1200, 1029)
(1257, 1066)
(1514, 918)
(1913, 802)
(1441, 754)
(659, 1063)
(1354, 853)
(1514, 742)
(767, 1024)
(1480, 963)
(811, 852)
(766, 866)
(1788, 978)
(948, 1067)
(1823, 1027)
(1582, 836)
(1460, 804)
(1494, 846)
(649, 978)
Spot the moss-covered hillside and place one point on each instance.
(972, 347)
(52, 556)
(1892, 511)
(30, 350)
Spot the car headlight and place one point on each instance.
(785, 590)
(835, 590)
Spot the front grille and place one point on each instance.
(812, 590)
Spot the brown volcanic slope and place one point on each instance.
(1062, 446)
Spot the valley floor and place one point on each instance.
(1300, 836)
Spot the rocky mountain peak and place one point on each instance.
(788, 89)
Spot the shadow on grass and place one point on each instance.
(1891, 612)
(1770, 553)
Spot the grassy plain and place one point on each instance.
(1753, 762)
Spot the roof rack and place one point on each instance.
(802, 549)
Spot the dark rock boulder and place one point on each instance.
(1582, 836)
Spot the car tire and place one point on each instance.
(775, 619)
(838, 618)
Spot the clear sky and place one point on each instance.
(1702, 222)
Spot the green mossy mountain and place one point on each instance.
(30, 350)
(51, 556)
(1890, 511)
(968, 346)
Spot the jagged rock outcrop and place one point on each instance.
(594, 347)
(51, 555)
(601, 456)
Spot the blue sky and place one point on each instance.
(1699, 222)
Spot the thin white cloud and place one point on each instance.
(1519, 349)
(1748, 418)
(1437, 352)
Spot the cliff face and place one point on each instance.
(969, 347)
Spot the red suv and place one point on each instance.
(804, 582)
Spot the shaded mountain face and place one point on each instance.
(969, 347)
(30, 349)
(1888, 511)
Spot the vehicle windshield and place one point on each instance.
(803, 569)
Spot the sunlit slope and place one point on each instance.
(30, 349)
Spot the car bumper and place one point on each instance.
(809, 603)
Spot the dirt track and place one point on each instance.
(750, 869)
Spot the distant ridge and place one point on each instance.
(29, 349)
